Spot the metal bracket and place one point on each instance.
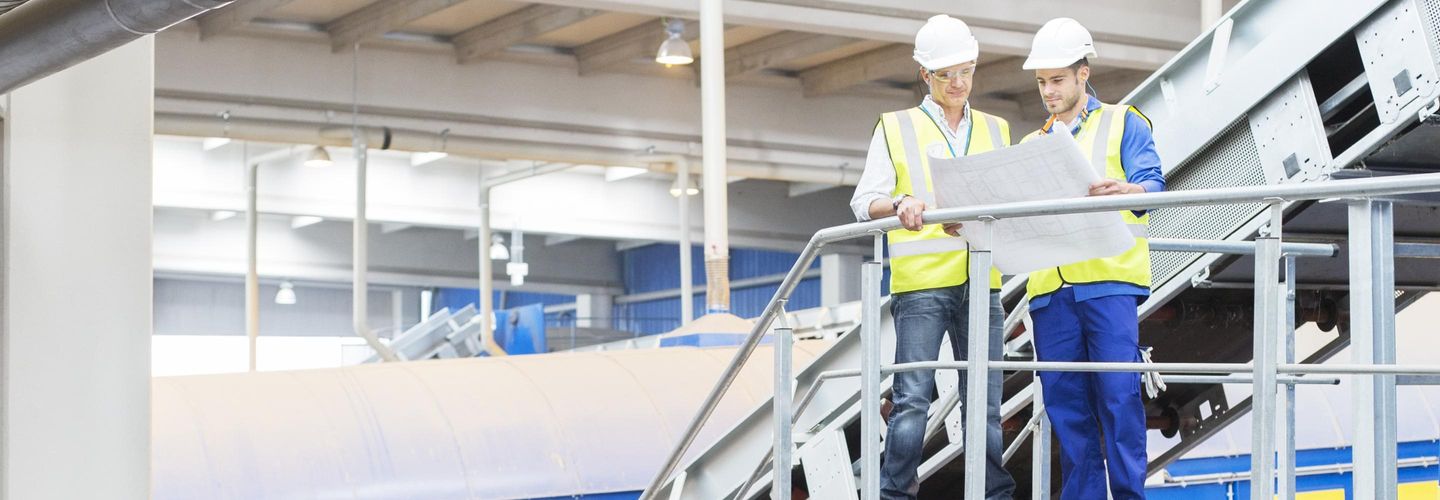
(1206, 409)
(828, 470)
(1426, 115)
(1201, 279)
(1219, 48)
(955, 424)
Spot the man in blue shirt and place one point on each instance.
(1086, 311)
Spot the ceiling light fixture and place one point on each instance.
(286, 295)
(613, 174)
(213, 142)
(498, 251)
(220, 215)
(674, 50)
(692, 187)
(300, 221)
(319, 157)
(418, 159)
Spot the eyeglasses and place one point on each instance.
(949, 75)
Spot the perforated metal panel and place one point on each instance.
(1399, 59)
(1231, 161)
(1289, 134)
(1430, 17)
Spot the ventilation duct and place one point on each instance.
(45, 36)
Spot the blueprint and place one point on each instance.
(1048, 168)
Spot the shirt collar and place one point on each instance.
(932, 107)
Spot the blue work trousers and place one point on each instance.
(921, 320)
(1098, 418)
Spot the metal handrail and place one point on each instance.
(1350, 188)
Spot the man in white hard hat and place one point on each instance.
(928, 266)
(1086, 311)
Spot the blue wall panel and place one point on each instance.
(456, 298)
(1303, 483)
(655, 267)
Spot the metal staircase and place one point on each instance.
(1279, 96)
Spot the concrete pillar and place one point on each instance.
(839, 278)
(76, 281)
(593, 310)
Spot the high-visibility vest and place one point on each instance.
(1099, 140)
(930, 258)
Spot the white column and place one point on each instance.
(713, 139)
(594, 310)
(840, 278)
(76, 281)
(1210, 12)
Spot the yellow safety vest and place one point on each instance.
(1099, 139)
(929, 258)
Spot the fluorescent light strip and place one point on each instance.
(300, 221)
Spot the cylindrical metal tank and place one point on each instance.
(512, 427)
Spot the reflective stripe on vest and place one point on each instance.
(930, 258)
(1104, 136)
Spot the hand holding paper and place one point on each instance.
(1048, 168)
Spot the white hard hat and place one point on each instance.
(1059, 43)
(944, 42)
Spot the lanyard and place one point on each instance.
(970, 123)
(1084, 117)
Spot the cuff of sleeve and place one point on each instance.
(862, 209)
(1152, 186)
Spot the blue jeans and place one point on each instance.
(921, 320)
(1098, 418)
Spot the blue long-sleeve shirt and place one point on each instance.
(1142, 166)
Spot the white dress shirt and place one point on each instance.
(878, 179)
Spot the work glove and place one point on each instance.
(1154, 384)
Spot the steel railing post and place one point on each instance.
(870, 372)
(1372, 341)
(978, 372)
(784, 392)
(1285, 459)
(1266, 345)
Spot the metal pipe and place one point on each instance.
(1041, 448)
(252, 239)
(977, 375)
(1401, 184)
(486, 276)
(784, 387)
(1348, 188)
(1310, 470)
(713, 137)
(687, 285)
(483, 236)
(590, 129)
(1418, 250)
(1266, 331)
(46, 36)
(1287, 380)
(1240, 247)
(361, 238)
(1360, 369)
(1020, 439)
(1285, 460)
(252, 268)
(404, 139)
(1241, 371)
(1372, 341)
(870, 375)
